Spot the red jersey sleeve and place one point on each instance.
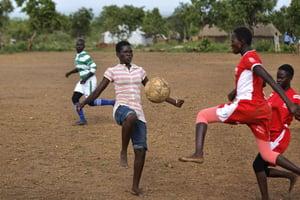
(251, 59)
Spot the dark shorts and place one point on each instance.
(139, 132)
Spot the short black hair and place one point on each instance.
(288, 68)
(243, 33)
(120, 44)
(81, 40)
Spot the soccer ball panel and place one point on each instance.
(157, 90)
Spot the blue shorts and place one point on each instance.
(139, 132)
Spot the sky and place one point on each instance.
(166, 7)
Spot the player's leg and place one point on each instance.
(139, 141)
(89, 87)
(274, 157)
(280, 144)
(260, 168)
(139, 160)
(197, 156)
(204, 117)
(276, 173)
(287, 164)
(102, 102)
(75, 99)
(127, 128)
(127, 118)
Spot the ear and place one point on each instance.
(243, 42)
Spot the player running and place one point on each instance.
(279, 132)
(85, 66)
(249, 105)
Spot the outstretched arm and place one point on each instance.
(174, 102)
(71, 72)
(96, 93)
(260, 71)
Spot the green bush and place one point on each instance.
(57, 41)
(15, 48)
(289, 48)
(263, 46)
(204, 44)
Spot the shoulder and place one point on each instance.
(83, 53)
(137, 66)
(294, 95)
(113, 68)
(251, 57)
(139, 69)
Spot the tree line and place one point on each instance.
(186, 20)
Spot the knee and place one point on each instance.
(258, 165)
(140, 153)
(74, 99)
(76, 96)
(131, 118)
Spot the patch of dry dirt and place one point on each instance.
(44, 157)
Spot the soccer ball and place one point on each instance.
(157, 90)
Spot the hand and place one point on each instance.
(297, 113)
(67, 74)
(231, 95)
(178, 103)
(294, 108)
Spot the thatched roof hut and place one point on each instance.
(213, 33)
(265, 32)
(261, 32)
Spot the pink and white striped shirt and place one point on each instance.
(127, 84)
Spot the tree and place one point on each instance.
(221, 16)
(280, 19)
(42, 14)
(81, 22)
(120, 22)
(154, 23)
(18, 29)
(293, 16)
(5, 8)
(251, 13)
(177, 23)
(190, 18)
(132, 17)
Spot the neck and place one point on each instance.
(244, 50)
(286, 88)
(128, 65)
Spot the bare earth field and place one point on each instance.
(42, 156)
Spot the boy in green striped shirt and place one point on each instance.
(85, 66)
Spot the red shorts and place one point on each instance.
(280, 140)
(256, 114)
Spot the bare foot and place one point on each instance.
(293, 181)
(192, 158)
(137, 192)
(123, 160)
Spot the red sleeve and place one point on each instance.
(251, 59)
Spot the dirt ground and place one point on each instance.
(44, 157)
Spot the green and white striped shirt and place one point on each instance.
(84, 64)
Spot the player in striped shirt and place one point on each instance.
(279, 132)
(128, 79)
(85, 66)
